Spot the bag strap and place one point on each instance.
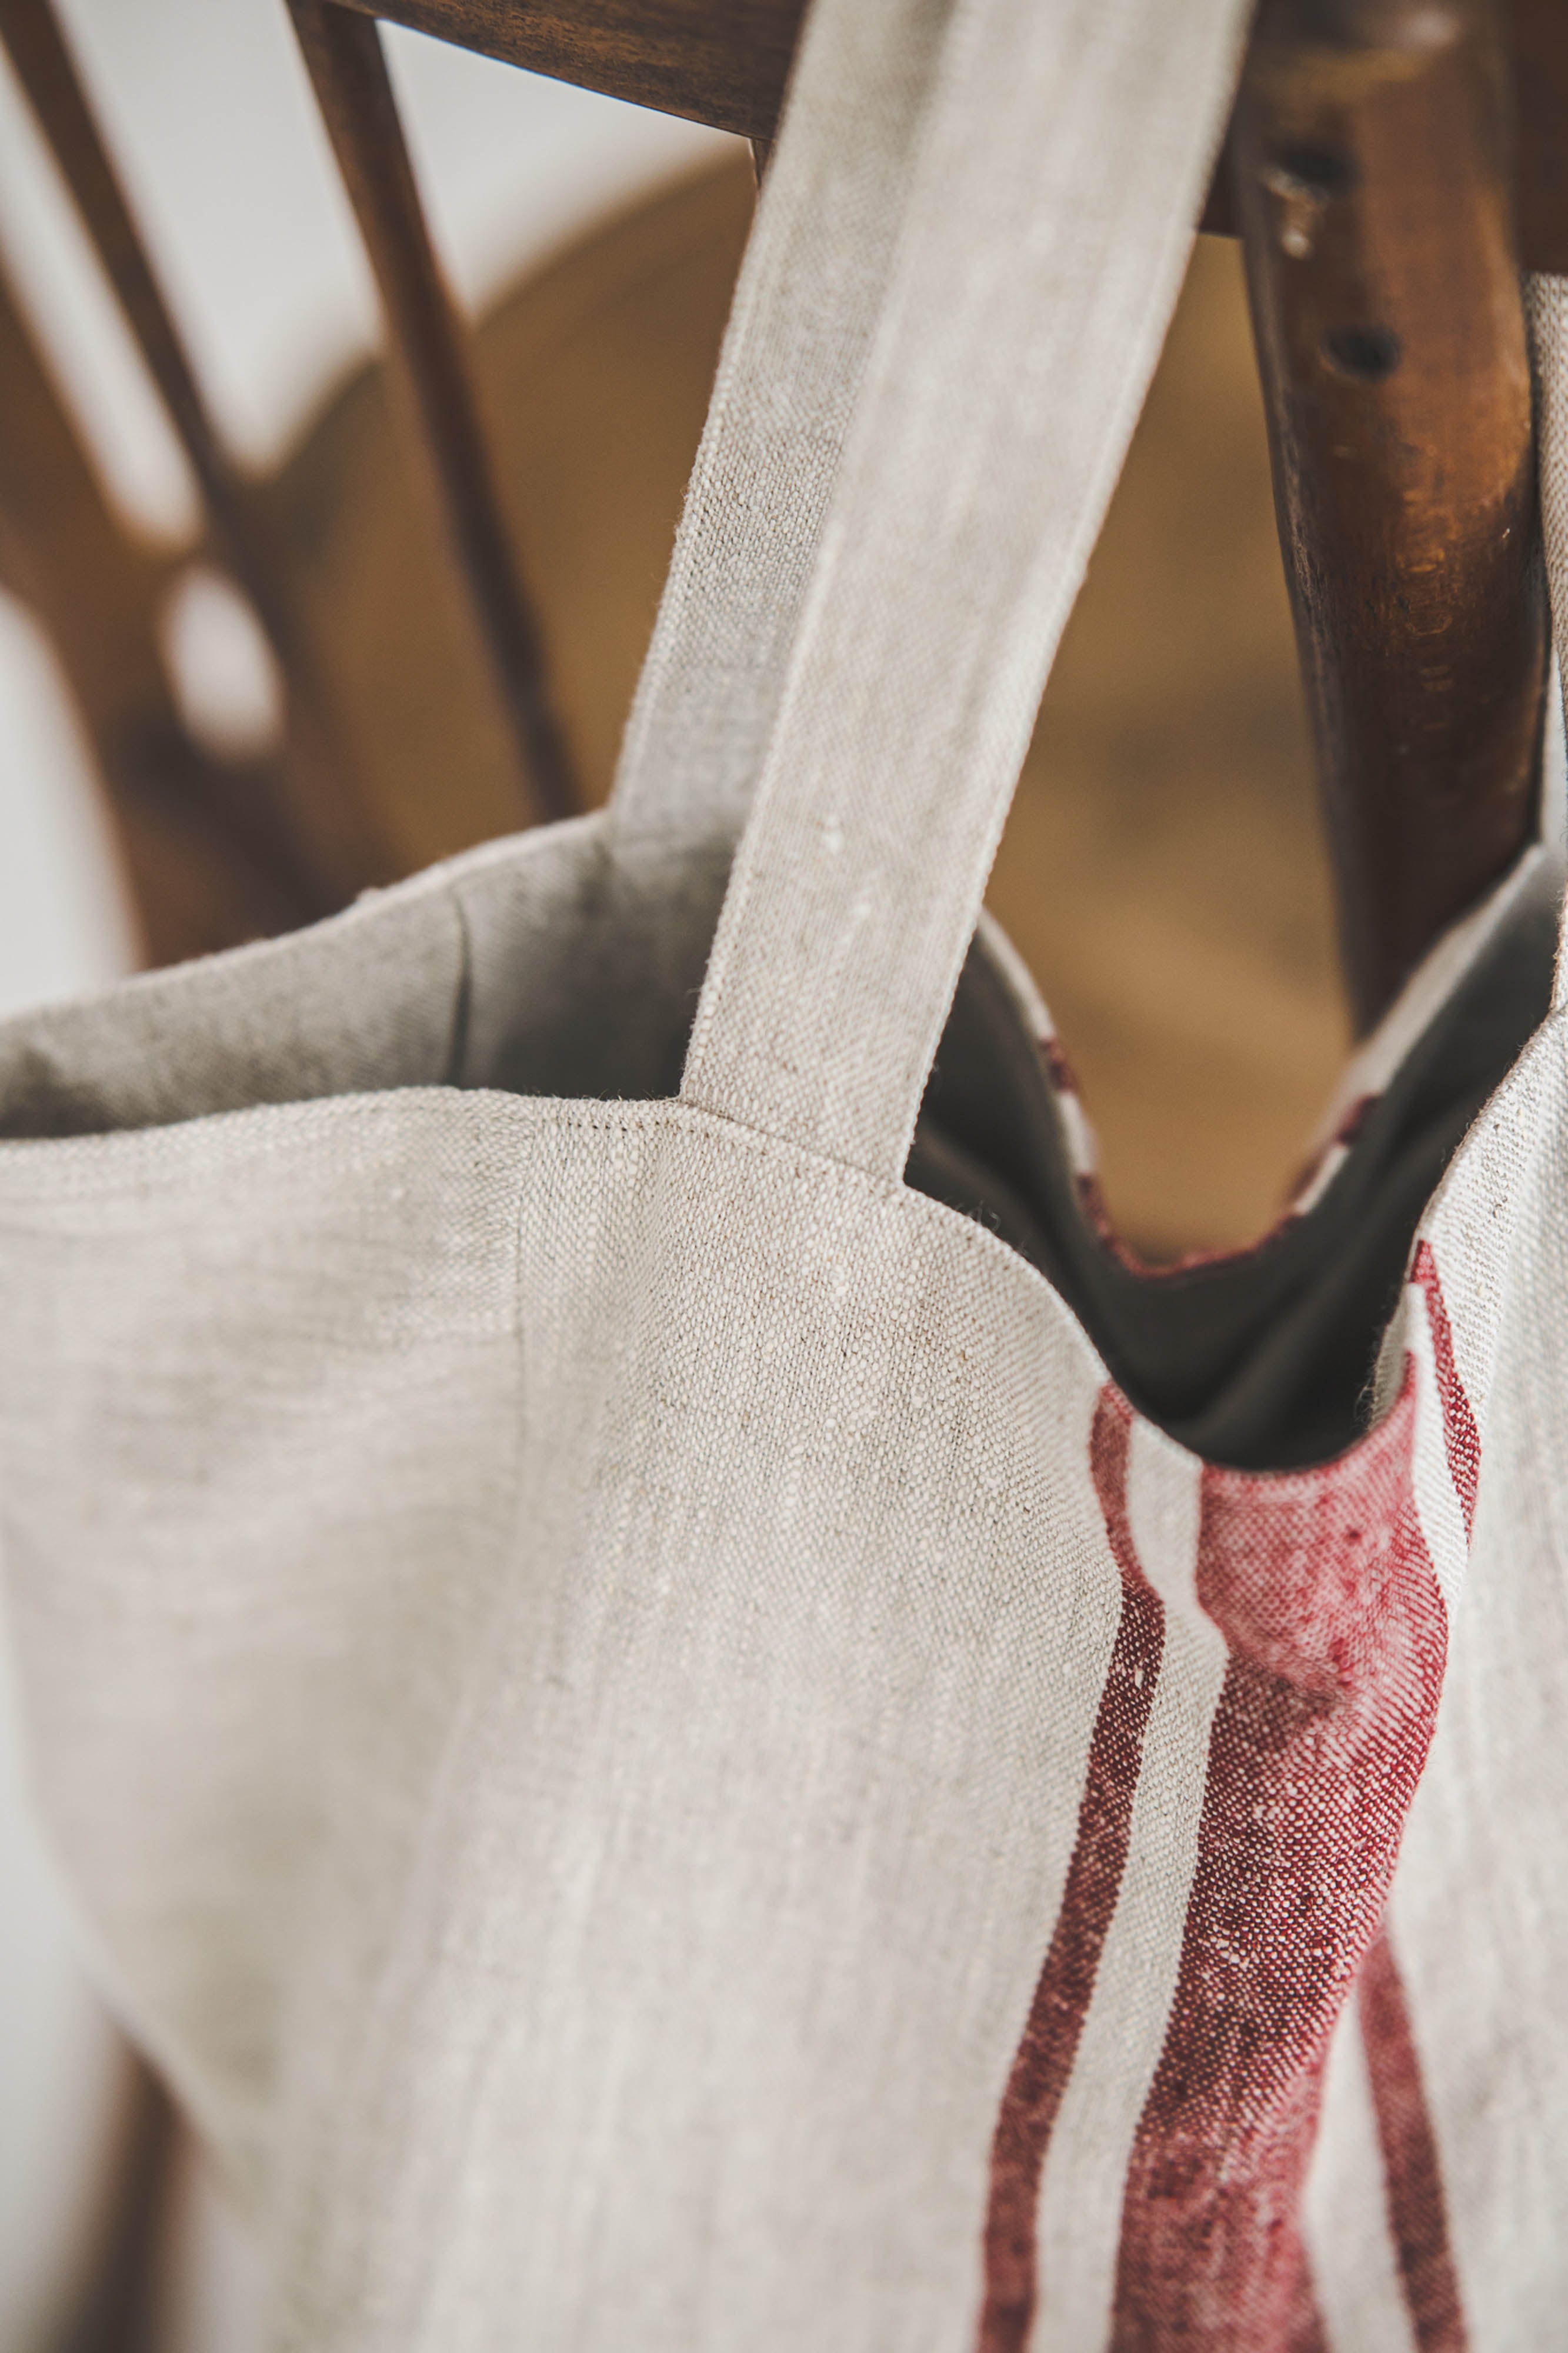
(1058, 171)
(800, 326)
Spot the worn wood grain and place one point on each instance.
(428, 351)
(1370, 175)
(726, 62)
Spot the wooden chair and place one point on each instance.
(1391, 166)
(1381, 154)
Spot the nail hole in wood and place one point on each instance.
(1366, 355)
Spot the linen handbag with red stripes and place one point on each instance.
(686, 1713)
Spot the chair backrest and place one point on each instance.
(1377, 206)
(1390, 341)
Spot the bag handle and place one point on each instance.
(1058, 171)
(807, 300)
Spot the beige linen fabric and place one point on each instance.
(662, 1757)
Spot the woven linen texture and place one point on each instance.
(661, 1756)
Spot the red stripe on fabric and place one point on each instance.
(1304, 2331)
(1062, 1076)
(1050, 2039)
(1322, 1585)
(1460, 1436)
(1418, 2211)
(1097, 1215)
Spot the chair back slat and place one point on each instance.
(726, 62)
(335, 828)
(720, 63)
(331, 813)
(211, 850)
(46, 71)
(427, 348)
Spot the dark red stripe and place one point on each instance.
(1051, 2036)
(1304, 2330)
(1418, 2212)
(1063, 1077)
(1322, 1585)
(1460, 1436)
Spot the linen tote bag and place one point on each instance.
(686, 1717)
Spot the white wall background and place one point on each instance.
(210, 115)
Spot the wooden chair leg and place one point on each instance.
(1372, 186)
